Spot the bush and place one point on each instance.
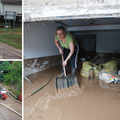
(14, 75)
(1, 77)
(4, 66)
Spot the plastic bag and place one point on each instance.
(111, 66)
(108, 76)
(86, 67)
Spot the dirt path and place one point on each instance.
(96, 102)
(8, 52)
(6, 114)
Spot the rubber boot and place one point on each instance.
(73, 71)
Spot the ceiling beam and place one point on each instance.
(63, 23)
(95, 27)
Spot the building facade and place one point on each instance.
(11, 5)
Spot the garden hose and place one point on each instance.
(11, 109)
(43, 85)
(11, 96)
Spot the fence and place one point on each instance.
(18, 22)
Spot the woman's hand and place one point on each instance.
(60, 50)
(64, 63)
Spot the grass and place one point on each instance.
(10, 30)
(12, 40)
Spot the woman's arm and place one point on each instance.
(57, 44)
(71, 46)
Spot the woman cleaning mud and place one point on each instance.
(70, 48)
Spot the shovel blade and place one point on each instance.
(65, 82)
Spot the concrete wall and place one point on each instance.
(60, 9)
(39, 39)
(38, 64)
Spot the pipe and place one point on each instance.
(27, 79)
(11, 109)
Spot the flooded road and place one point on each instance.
(95, 102)
(9, 52)
(6, 114)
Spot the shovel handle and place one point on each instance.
(63, 66)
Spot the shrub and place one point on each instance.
(4, 66)
(1, 77)
(14, 75)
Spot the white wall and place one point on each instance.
(10, 7)
(1, 8)
(106, 41)
(39, 39)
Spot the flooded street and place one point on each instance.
(9, 52)
(95, 102)
(6, 114)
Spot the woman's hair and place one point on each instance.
(60, 28)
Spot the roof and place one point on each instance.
(12, 1)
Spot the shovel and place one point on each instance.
(65, 81)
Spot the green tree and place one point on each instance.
(14, 75)
(3, 69)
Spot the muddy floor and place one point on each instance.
(8, 52)
(94, 101)
(6, 114)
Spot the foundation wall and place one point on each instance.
(34, 65)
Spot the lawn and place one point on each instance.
(12, 40)
(10, 30)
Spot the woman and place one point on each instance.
(71, 48)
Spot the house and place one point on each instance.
(11, 5)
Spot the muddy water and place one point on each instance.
(94, 101)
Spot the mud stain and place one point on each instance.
(92, 101)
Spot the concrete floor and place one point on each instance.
(95, 102)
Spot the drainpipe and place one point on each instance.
(3, 8)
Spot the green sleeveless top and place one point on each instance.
(69, 38)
